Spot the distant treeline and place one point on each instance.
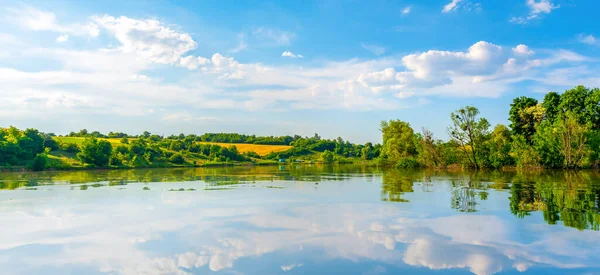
(39, 151)
(562, 131)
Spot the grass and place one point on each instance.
(260, 149)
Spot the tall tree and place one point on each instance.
(430, 152)
(571, 140)
(398, 140)
(521, 122)
(550, 104)
(469, 132)
(499, 147)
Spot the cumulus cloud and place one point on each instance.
(192, 62)
(149, 38)
(522, 50)
(536, 9)
(375, 49)
(120, 80)
(291, 54)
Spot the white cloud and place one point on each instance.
(192, 62)
(39, 20)
(536, 8)
(287, 268)
(452, 6)
(149, 38)
(541, 6)
(375, 49)
(406, 10)
(588, 39)
(123, 80)
(62, 38)
(455, 5)
(275, 36)
(291, 54)
(522, 50)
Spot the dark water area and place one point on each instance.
(343, 219)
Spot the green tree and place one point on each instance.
(49, 142)
(177, 158)
(469, 132)
(571, 138)
(545, 144)
(398, 140)
(551, 105)
(327, 156)
(523, 153)
(367, 151)
(95, 151)
(500, 147)
(430, 152)
(39, 162)
(521, 122)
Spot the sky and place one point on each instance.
(337, 68)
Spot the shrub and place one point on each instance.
(407, 162)
(95, 151)
(177, 159)
(69, 147)
(39, 162)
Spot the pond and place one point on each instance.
(303, 219)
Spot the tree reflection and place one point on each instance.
(573, 198)
(466, 193)
(394, 184)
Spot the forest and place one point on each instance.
(560, 132)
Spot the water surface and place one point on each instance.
(299, 220)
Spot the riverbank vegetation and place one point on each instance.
(561, 131)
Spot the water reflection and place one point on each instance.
(363, 221)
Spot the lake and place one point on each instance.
(303, 219)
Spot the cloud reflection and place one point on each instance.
(152, 235)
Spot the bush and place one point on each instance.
(49, 142)
(95, 151)
(408, 162)
(177, 159)
(69, 147)
(252, 154)
(39, 162)
(327, 157)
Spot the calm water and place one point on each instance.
(299, 220)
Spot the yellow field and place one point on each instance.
(260, 149)
(80, 140)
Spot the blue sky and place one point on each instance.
(285, 67)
